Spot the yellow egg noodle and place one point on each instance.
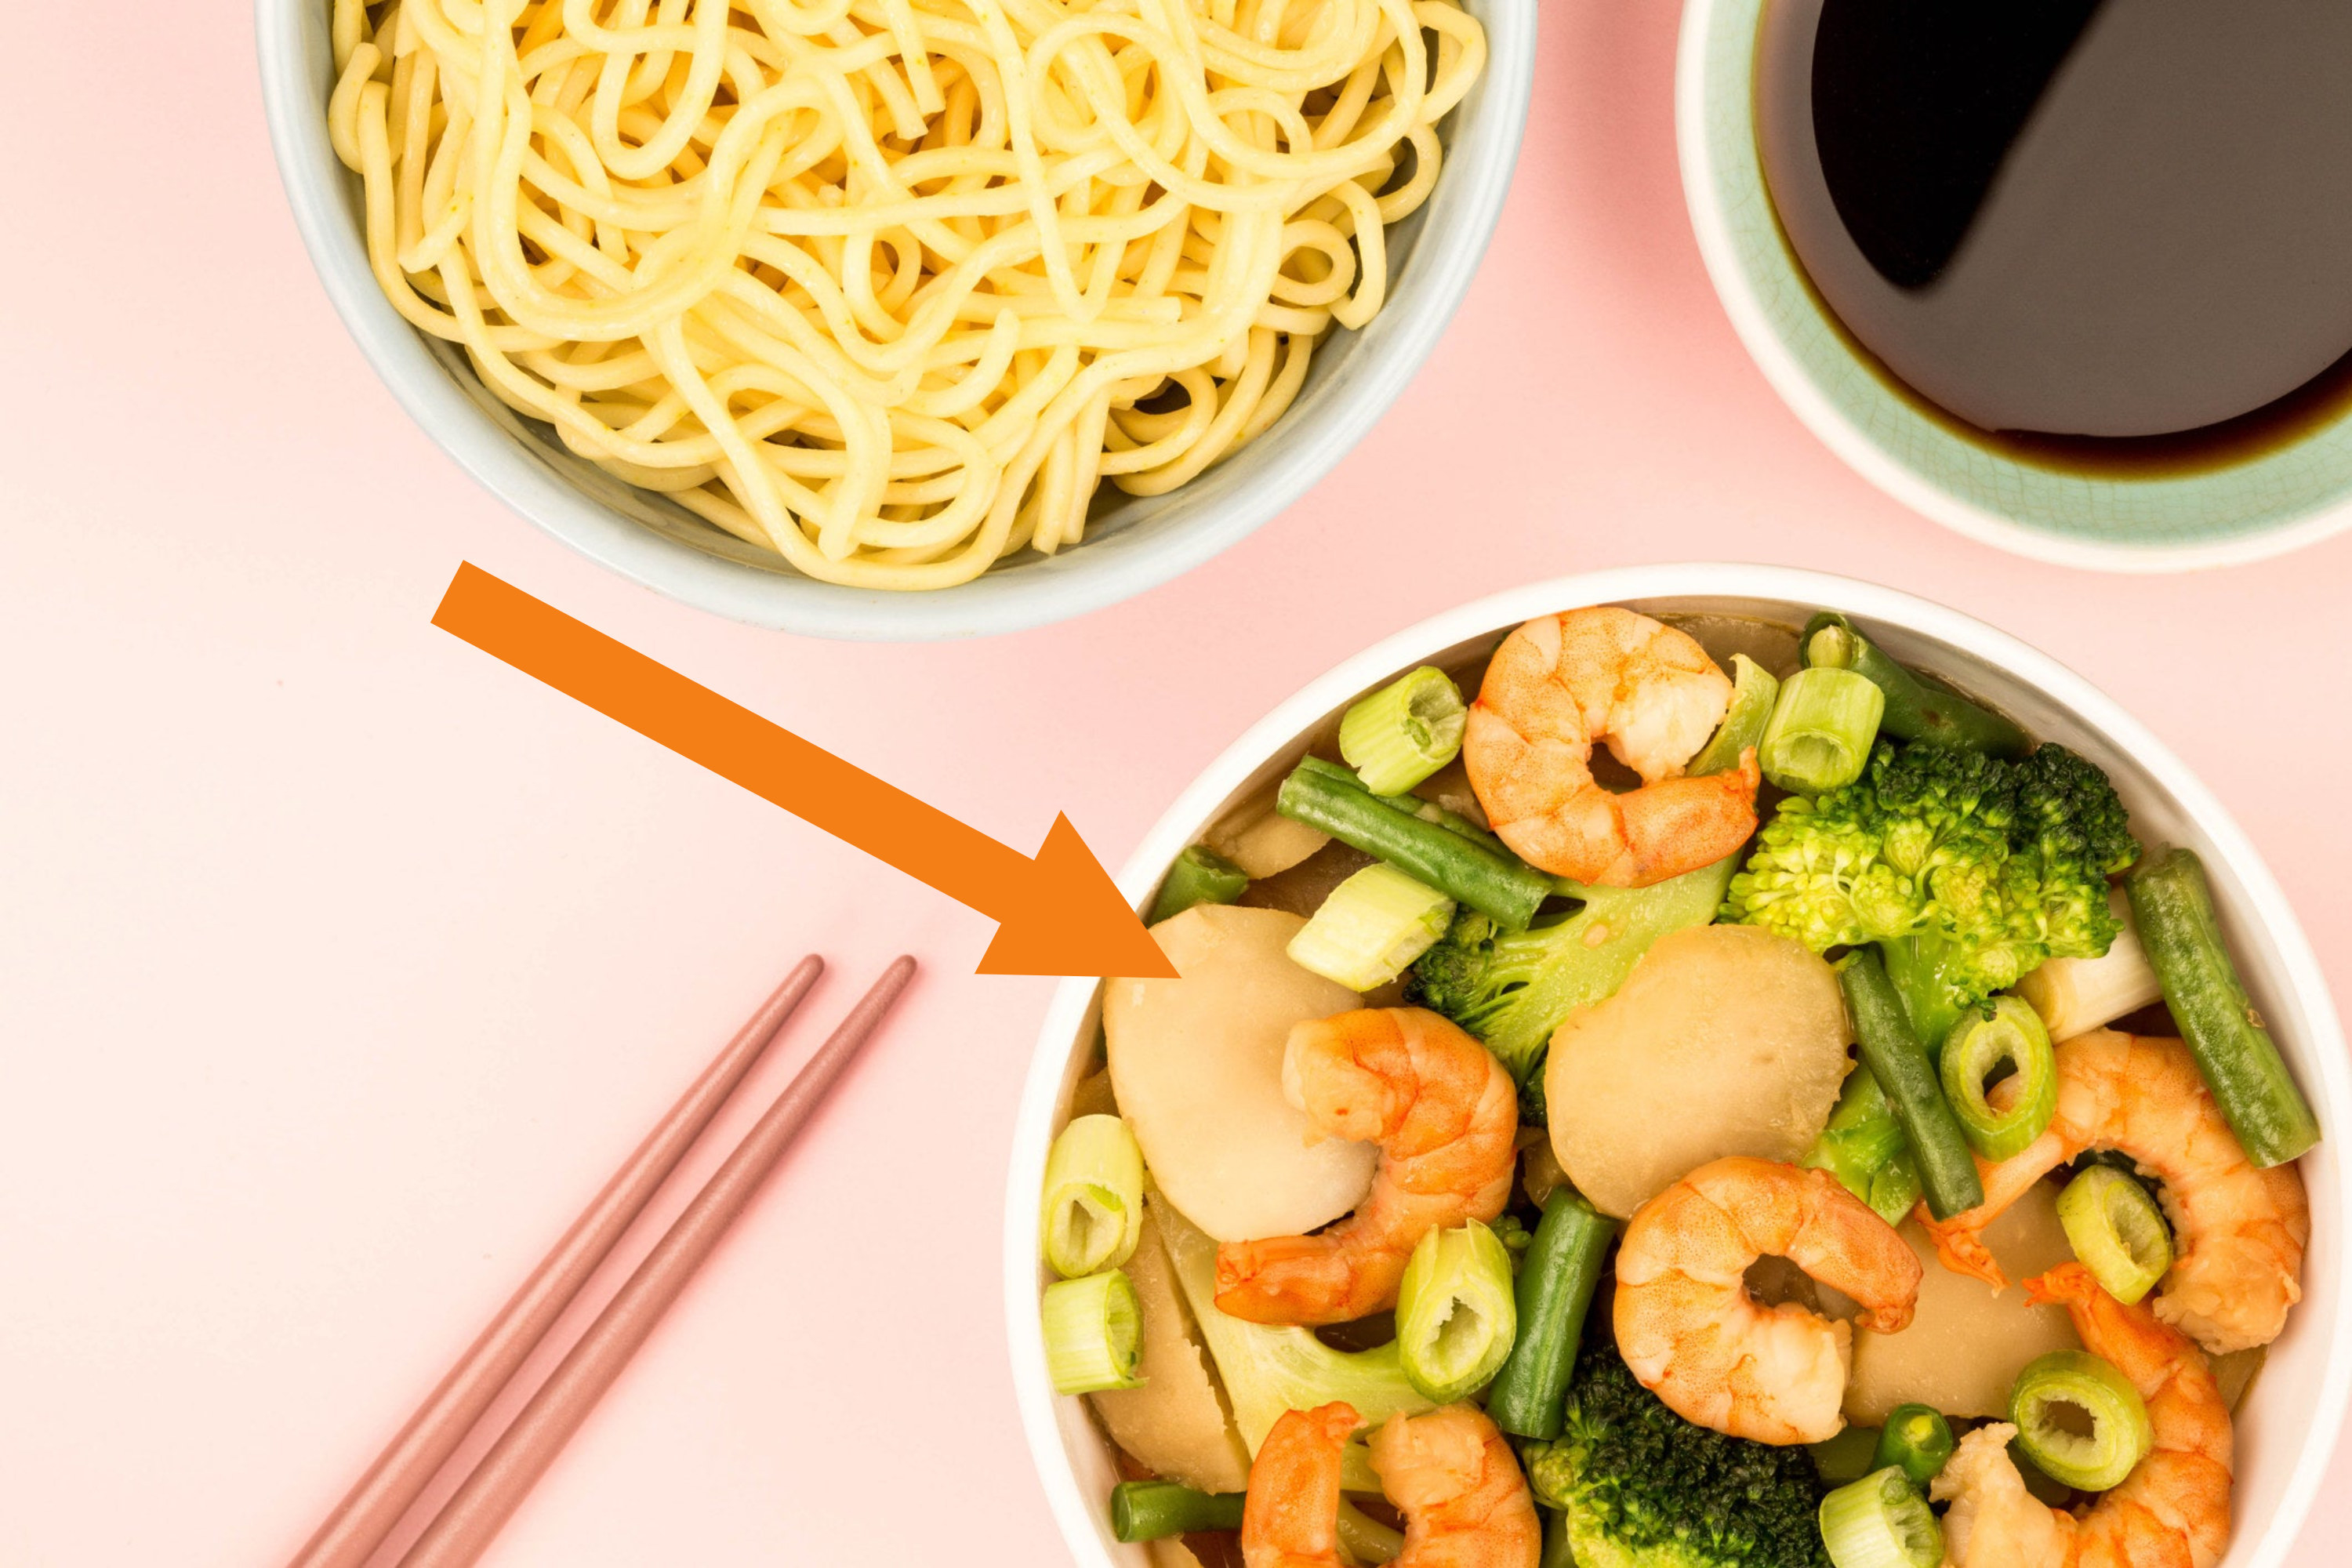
(889, 286)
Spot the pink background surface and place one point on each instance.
(340, 963)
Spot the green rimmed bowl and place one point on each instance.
(2259, 505)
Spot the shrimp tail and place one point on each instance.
(1960, 1246)
(2142, 1346)
(2062, 1285)
(1959, 1240)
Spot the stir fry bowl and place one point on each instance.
(1132, 543)
(2288, 1424)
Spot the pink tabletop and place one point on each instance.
(340, 963)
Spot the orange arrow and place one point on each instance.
(1058, 914)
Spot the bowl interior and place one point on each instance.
(1132, 543)
(2292, 495)
(2287, 1425)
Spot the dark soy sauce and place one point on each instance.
(2107, 235)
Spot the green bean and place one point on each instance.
(1917, 1440)
(1201, 875)
(1152, 1510)
(1329, 797)
(1899, 1062)
(1555, 1292)
(2173, 907)
(1917, 708)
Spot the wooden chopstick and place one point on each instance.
(359, 1523)
(488, 1497)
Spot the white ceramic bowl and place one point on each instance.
(1139, 545)
(2288, 1426)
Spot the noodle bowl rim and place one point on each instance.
(1141, 543)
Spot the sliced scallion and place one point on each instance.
(1404, 731)
(1094, 1333)
(1455, 1314)
(1820, 731)
(1881, 1522)
(2013, 1037)
(1371, 927)
(2116, 1230)
(1093, 1208)
(2080, 1420)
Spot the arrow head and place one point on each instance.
(1069, 918)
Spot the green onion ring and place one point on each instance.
(1881, 1522)
(1977, 1045)
(2116, 1230)
(1092, 1211)
(1094, 1333)
(2119, 1435)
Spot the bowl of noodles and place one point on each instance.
(1205, 1079)
(785, 310)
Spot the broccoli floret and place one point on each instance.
(1450, 977)
(1639, 1487)
(1511, 989)
(1967, 870)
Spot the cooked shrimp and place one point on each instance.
(2173, 1509)
(1562, 682)
(1446, 1118)
(1290, 1517)
(1450, 1472)
(1452, 1476)
(1694, 1336)
(2239, 1231)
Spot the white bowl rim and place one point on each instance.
(1788, 378)
(2325, 1064)
(990, 604)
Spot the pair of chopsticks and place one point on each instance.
(487, 1496)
